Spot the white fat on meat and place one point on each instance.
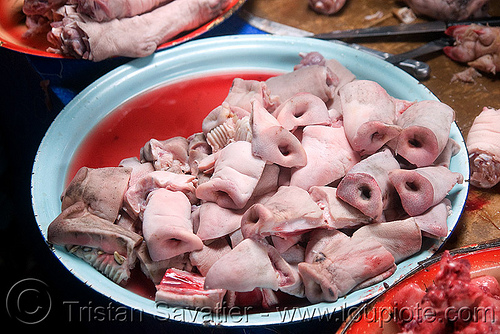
(167, 226)
(366, 186)
(483, 145)
(236, 174)
(329, 157)
(421, 188)
(369, 113)
(425, 131)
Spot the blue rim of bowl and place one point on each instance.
(226, 54)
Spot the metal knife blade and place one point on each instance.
(418, 69)
(403, 29)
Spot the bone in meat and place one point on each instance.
(483, 145)
(329, 157)
(138, 36)
(422, 188)
(425, 131)
(186, 289)
(369, 114)
(167, 226)
(366, 186)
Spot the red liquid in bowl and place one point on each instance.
(176, 109)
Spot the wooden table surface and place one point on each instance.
(481, 218)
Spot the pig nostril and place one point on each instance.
(414, 143)
(365, 192)
(284, 150)
(412, 186)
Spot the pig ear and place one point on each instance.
(272, 142)
(302, 109)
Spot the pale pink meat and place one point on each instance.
(422, 188)
(483, 145)
(101, 189)
(302, 109)
(401, 237)
(290, 211)
(204, 259)
(432, 222)
(476, 45)
(450, 9)
(272, 142)
(169, 155)
(337, 213)
(136, 36)
(136, 195)
(139, 169)
(366, 186)
(167, 226)
(216, 221)
(315, 79)
(425, 131)
(106, 10)
(329, 157)
(369, 114)
(342, 265)
(327, 7)
(248, 260)
(243, 91)
(236, 174)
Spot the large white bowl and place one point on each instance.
(214, 55)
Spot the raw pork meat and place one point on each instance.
(106, 10)
(167, 226)
(139, 36)
(182, 288)
(169, 155)
(329, 157)
(272, 142)
(236, 174)
(101, 189)
(302, 109)
(326, 7)
(342, 264)
(369, 114)
(450, 9)
(483, 145)
(476, 45)
(422, 188)
(366, 186)
(425, 131)
(104, 245)
(289, 212)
